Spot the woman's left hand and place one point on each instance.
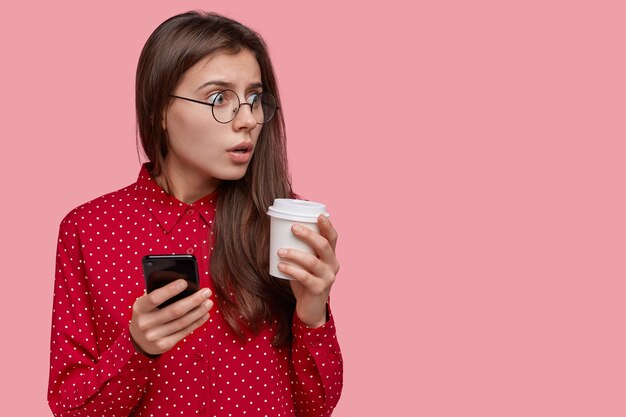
(314, 274)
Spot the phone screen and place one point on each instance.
(160, 270)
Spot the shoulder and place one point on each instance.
(101, 207)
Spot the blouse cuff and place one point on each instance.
(123, 358)
(324, 336)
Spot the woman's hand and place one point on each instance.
(155, 331)
(314, 274)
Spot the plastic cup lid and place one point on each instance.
(297, 210)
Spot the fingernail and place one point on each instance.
(323, 219)
(282, 252)
(281, 266)
(208, 304)
(182, 284)
(206, 293)
(297, 228)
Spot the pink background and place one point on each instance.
(471, 155)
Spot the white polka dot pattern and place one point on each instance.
(96, 371)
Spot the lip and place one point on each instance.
(241, 153)
(247, 146)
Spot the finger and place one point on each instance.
(307, 261)
(314, 285)
(182, 307)
(170, 341)
(319, 243)
(181, 323)
(151, 301)
(295, 272)
(327, 230)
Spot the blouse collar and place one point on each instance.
(165, 208)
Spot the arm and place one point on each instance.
(317, 366)
(317, 369)
(85, 381)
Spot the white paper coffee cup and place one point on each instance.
(285, 213)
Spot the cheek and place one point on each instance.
(191, 128)
(256, 132)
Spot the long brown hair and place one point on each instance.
(247, 295)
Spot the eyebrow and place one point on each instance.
(226, 84)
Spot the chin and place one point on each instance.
(234, 175)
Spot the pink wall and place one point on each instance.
(471, 155)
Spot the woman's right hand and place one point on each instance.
(155, 331)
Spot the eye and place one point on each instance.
(254, 99)
(217, 99)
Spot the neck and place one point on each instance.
(184, 186)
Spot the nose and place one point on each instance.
(244, 118)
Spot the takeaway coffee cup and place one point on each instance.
(285, 213)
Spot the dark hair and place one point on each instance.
(246, 293)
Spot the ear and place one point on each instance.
(164, 117)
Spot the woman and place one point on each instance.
(246, 343)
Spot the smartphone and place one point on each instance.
(160, 270)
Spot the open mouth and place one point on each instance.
(243, 147)
(241, 153)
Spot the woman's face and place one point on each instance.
(200, 149)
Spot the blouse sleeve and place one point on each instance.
(317, 368)
(85, 379)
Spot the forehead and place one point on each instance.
(239, 68)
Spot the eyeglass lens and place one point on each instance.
(226, 105)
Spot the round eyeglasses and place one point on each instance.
(225, 105)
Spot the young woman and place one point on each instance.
(246, 343)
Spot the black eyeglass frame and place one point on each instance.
(212, 105)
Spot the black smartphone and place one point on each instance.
(160, 270)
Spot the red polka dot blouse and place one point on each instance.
(94, 367)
